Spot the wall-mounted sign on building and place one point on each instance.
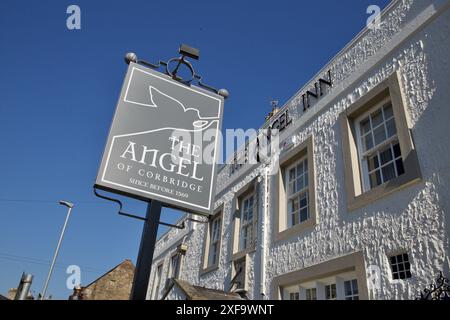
(155, 148)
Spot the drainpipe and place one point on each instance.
(264, 234)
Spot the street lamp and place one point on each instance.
(70, 206)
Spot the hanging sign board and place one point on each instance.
(163, 142)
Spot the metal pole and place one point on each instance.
(56, 254)
(146, 249)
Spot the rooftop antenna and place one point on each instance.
(275, 109)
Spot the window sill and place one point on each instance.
(241, 254)
(295, 230)
(411, 176)
(208, 269)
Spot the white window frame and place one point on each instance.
(354, 291)
(242, 274)
(297, 195)
(363, 155)
(295, 295)
(313, 289)
(157, 281)
(397, 264)
(330, 286)
(246, 239)
(214, 242)
(175, 270)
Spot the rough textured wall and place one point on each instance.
(415, 218)
(115, 285)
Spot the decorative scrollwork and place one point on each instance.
(440, 290)
(179, 61)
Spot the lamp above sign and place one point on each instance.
(155, 148)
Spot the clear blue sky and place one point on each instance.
(58, 91)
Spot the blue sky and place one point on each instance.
(59, 88)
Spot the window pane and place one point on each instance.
(377, 118)
(292, 174)
(355, 286)
(375, 179)
(294, 205)
(304, 214)
(400, 168)
(379, 134)
(306, 179)
(299, 169)
(294, 218)
(300, 184)
(367, 142)
(292, 189)
(386, 156)
(397, 152)
(304, 200)
(407, 266)
(348, 289)
(388, 113)
(365, 126)
(388, 172)
(391, 128)
(313, 294)
(373, 163)
(245, 205)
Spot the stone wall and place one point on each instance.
(114, 285)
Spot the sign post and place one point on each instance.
(146, 248)
(162, 147)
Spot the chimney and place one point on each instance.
(24, 287)
(275, 109)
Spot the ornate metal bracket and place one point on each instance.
(440, 290)
(185, 51)
(182, 226)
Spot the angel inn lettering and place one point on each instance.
(141, 159)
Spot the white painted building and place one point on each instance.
(359, 203)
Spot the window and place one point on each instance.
(239, 279)
(157, 282)
(351, 289)
(247, 216)
(294, 296)
(378, 146)
(330, 292)
(175, 266)
(215, 241)
(401, 268)
(245, 219)
(379, 154)
(212, 242)
(311, 294)
(336, 279)
(298, 196)
(296, 192)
